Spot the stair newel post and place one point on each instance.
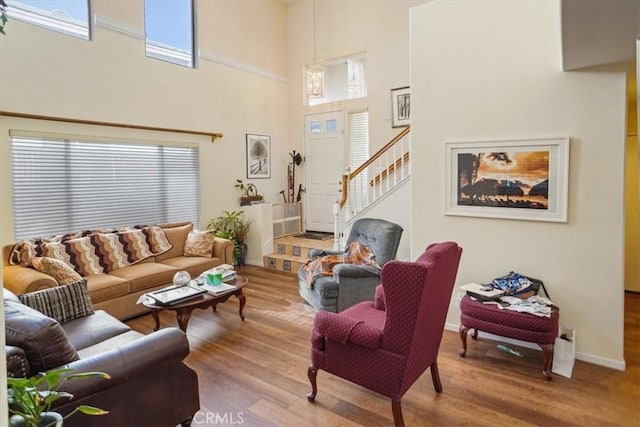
(337, 208)
(348, 193)
(336, 225)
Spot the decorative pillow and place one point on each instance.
(157, 239)
(199, 243)
(43, 340)
(62, 272)
(62, 303)
(22, 253)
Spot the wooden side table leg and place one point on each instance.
(547, 353)
(183, 319)
(242, 300)
(156, 319)
(463, 337)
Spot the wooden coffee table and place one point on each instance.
(183, 310)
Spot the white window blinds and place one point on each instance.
(61, 186)
(358, 131)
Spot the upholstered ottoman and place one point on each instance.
(511, 324)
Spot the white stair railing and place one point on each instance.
(386, 169)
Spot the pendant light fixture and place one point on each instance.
(315, 73)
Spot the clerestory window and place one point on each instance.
(169, 31)
(344, 78)
(69, 17)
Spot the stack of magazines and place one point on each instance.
(228, 274)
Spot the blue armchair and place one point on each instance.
(351, 284)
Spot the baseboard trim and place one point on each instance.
(619, 365)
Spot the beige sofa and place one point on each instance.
(117, 291)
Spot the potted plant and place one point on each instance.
(30, 399)
(234, 226)
(250, 193)
(3, 16)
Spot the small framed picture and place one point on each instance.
(258, 156)
(400, 107)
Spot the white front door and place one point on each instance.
(324, 166)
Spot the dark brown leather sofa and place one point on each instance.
(150, 385)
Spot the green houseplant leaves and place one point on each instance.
(30, 398)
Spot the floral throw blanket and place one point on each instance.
(356, 254)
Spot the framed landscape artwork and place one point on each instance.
(400, 107)
(523, 179)
(258, 156)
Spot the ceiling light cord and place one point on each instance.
(315, 57)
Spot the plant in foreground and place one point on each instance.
(30, 398)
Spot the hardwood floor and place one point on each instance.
(254, 373)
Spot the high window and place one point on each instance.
(344, 79)
(65, 16)
(64, 185)
(169, 30)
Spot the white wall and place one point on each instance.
(239, 87)
(491, 69)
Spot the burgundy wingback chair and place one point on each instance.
(387, 344)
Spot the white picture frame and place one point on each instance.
(258, 156)
(522, 179)
(400, 107)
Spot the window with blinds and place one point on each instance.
(66, 185)
(358, 141)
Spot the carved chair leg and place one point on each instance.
(463, 337)
(547, 353)
(312, 373)
(435, 376)
(396, 408)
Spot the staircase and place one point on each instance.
(375, 178)
(289, 253)
(387, 171)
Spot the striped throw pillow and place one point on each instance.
(62, 303)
